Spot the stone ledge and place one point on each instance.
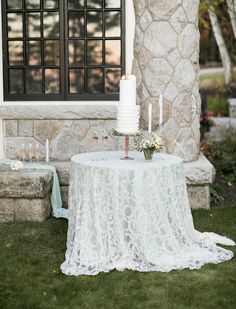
(199, 172)
(24, 209)
(25, 183)
(199, 196)
(58, 112)
(232, 108)
(216, 133)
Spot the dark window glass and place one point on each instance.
(33, 29)
(94, 4)
(94, 24)
(32, 4)
(52, 81)
(95, 77)
(51, 24)
(34, 52)
(76, 4)
(112, 80)
(76, 24)
(63, 49)
(34, 81)
(50, 4)
(15, 25)
(113, 52)
(15, 52)
(112, 24)
(94, 52)
(76, 77)
(112, 4)
(51, 52)
(14, 4)
(76, 52)
(16, 81)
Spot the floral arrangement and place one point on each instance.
(149, 145)
(206, 120)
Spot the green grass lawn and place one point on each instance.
(218, 104)
(31, 253)
(217, 93)
(213, 80)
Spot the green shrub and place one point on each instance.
(218, 104)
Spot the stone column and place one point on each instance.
(166, 60)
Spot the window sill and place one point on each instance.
(59, 110)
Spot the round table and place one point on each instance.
(133, 215)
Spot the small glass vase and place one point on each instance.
(148, 154)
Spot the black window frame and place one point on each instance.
(64, 94)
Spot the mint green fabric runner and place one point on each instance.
(56, 202)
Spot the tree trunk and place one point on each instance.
(222, 46)
(232, 14)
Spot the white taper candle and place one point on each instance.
(161, 110)
(47, 150)
(150, 118)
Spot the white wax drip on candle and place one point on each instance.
(150, 118)
(161, 110)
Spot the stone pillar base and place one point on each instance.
(199, 175)
(199, 196)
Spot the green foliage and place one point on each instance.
(214, 82)
(225, 150)
(208, 47)
(216, 196)
(229, 143)
(218, 104)
(223, 157)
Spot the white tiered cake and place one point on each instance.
(128, 111)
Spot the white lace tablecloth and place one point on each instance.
(134, 215)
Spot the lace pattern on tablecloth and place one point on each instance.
(137, 219)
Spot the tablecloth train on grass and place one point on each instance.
(134, 215)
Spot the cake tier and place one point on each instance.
(128, 119)
(128, 91)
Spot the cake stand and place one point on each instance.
(127, 136)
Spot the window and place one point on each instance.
(63, 49)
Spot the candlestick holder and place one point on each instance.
(127, 137)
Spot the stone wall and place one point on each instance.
(166, 52)
(67, 137)
(70, 129)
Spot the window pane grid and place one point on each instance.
(101, 41)
(37, 67)
(90, 60)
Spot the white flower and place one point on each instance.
(155, 142)
(15, 166)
